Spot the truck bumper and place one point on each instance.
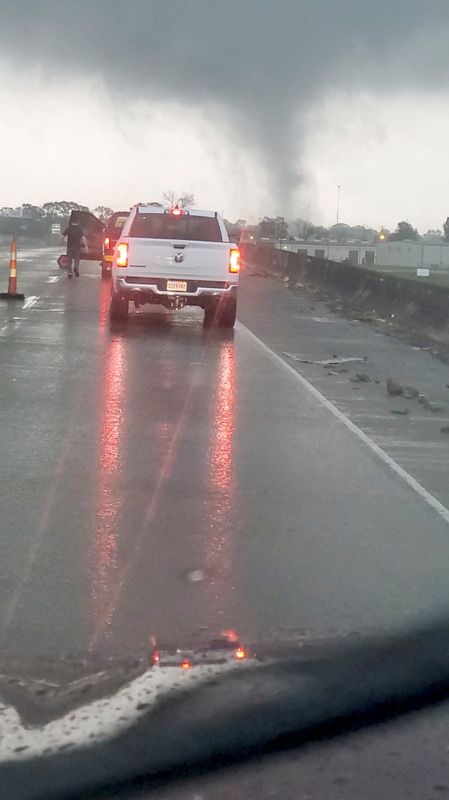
(150, 290)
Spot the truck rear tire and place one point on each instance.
(228, 314)
(223, 314)
(118, 310)
(210, 313)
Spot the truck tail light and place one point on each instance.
(122, 255)
(234, 260)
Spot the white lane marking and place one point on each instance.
(402, 473)
(30, 301)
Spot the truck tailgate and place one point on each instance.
(178, 259)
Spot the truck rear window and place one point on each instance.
(192, 228)
(115, 224)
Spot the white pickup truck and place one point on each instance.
(176, 257)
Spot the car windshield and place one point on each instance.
(224, 391)
(188, 227)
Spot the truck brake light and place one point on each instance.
(122, 254)
(234, 260)
(176, 211)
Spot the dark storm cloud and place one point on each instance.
(265, 61)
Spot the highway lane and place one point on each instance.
(134, 456)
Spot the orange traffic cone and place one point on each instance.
(12, 293)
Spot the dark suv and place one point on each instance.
(111, 234)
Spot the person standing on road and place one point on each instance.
(75, 243)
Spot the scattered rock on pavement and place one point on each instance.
(337, 371)
(361, 377)
(435, 407)
(394, 389)
(410, 393)
(366, 317)
(195, 576)
(262, 274)
(429, 404)
(329, 362)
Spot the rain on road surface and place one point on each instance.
(134, 456)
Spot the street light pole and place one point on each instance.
(338, 202)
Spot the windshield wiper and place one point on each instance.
(248, 714)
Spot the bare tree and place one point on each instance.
(169, 198)
(187, 200)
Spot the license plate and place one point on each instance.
(176, 286)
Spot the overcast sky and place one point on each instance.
(256, 106)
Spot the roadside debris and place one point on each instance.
(368, 316)
(404, 412)
(330, 362)
(431, 406)
(410, 393)
(195, 576)
(361, 378)
(435, 407)
(338, 371)
(394, 389)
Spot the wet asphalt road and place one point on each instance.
(133, 456)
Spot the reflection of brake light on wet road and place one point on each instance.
(103, 557)
(223, 422)
(221, 484)
(105, 299)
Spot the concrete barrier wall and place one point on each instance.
(363, 288)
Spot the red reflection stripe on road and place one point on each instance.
(223, 423)
(105, 299)
(220, 507)
(172, 434)
(103, 557)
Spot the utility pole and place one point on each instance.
(338, 202)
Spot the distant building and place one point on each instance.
(402, 255)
